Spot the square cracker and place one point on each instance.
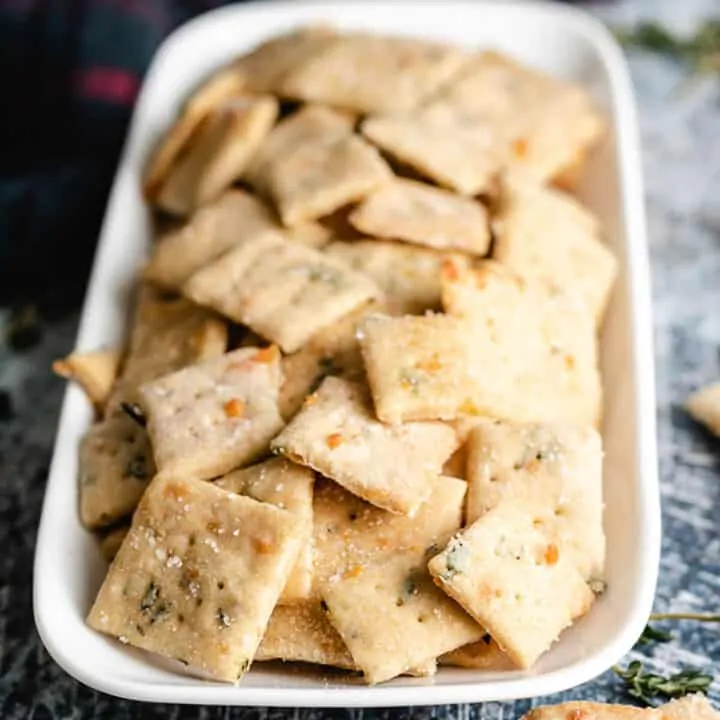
(218, 153)
(456, 153)
(301, 632)
(513, 581)
(419, 213)
(534, 347)
(166, 334)
(393, 467)
(370, 73)
(94, 371)
(485, 654)
(409, 276)
(284, 291)
(704, 406)
(592, 711)
(541, 233)
(419, 368)
(392, 618)
(235, 218)
(209, 418)
(548, 121)
(312, 164)
(116, 465)
(290, 487)
(334, 350)
(349, 533)
(198, 576)
(555, 470)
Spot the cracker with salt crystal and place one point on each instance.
(349, 533)
(465, 156)
(220, 87)
(408, 276)
(419, 368)
(485, 654)
(334, 350)
(210, 418)
(284, 291)
(555, 471)
(370, 73)
(704, 406)
(419, 213)
(514, 581)
(221, 149)
(312, 165)
(197, 576)
(393, 467)
(541, 233)
(593, 711)
(94, 372)
(166, 334)
(116, 465)
(111, 541)
(534, 347)
(392, 618)
(302, 633)
(235, 218)
(290, 487)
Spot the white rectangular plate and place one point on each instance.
(560, 40)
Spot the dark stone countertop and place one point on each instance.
(680, 118)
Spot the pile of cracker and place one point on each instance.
(355, 424)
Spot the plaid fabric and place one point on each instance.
(69, 74)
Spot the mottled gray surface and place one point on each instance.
(680, 121)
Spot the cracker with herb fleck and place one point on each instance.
(393, 618)
(198, 576)
(541, 233)
(302, 633)
(290, 487)
(208, 419)
(704, 406)
(514, 581)
(312, 164)
(419, 368)
(485, 654)
(235, 218)
(221, 148)
(116, 465)
(167, 333)
(284, 291)
(393, 467)
(369, 73)
(424, 215)
(111, 541)
(553, 470)
(534, 347)
(349, 533)
(94, 372)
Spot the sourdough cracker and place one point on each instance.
(691, 707)
(408, 276)
(198, 576)
(419, 368)
(235, 218)
(541, 233)
(369, 73)
(392, 618)
(166, 334)
(513, 581)
(207, 419)
(94, 372)
(485, 654)
(115, 465)
(704, 406)
(534, 348)
(419, 213)
(290, 487)
(284, 291)
(221, 149)
(393, 467)
(555, 471)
